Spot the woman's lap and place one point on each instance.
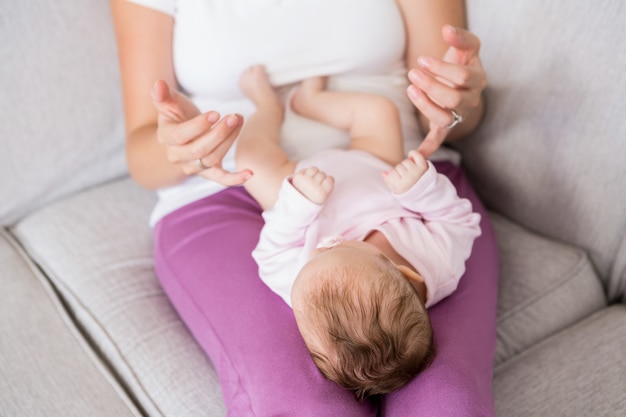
(202, 258)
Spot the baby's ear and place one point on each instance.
(410, 274)
(414, 279)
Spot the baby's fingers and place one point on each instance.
(328, 184)
(391, 178)
(418, 159)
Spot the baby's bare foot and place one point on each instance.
(314, 184)
(255, 84)
(303, 98)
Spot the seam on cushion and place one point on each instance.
(586, 321)
(71, 325)
(616, 286)
(213, 332)
(53, 281)
(567, 277)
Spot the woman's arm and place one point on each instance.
(165, 132)
(144, 41)
(446, 71)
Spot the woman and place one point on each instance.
(204, 232)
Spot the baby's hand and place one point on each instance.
(404, 175)
(314, 184)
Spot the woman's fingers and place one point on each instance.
(452, 83)
(197, 142)
(161, 92)
(444, 95)
(167, 103)
(178, 134)
(233, 125)
(466, 44)
(464, 76)
(446, 90)
(439, 118)
(433, 140)
(438, 113)
(215, 157)
(210, 144)
(220, 175)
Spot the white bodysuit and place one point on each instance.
(429, 225)
(216, 40)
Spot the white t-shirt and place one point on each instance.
(358, 43)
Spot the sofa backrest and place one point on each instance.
(551, 153)
(62, 123)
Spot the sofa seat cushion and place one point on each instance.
(545, 286)
(577, 372)
(45, 370)
(96, 247)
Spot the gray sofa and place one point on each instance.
(85, 329)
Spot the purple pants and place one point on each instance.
(202, 258)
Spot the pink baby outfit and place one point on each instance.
(429, 225)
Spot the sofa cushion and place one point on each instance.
(551, 153)
(545, 286)
(45, 370)
(62, 124)
(96, 248)
(578, 372)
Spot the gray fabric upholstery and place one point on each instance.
(103, 268)
(617, 283)
(551, 154)
(562, 376)
(62, 124)
(44, 369)
(545, 286)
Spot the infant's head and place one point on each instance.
(363, 322)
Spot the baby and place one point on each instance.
(359, 242)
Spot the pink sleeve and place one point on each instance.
(279, 252)
(451, 226)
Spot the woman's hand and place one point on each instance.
(453, 83)
(195, 141)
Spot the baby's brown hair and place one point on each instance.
(375, 339)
